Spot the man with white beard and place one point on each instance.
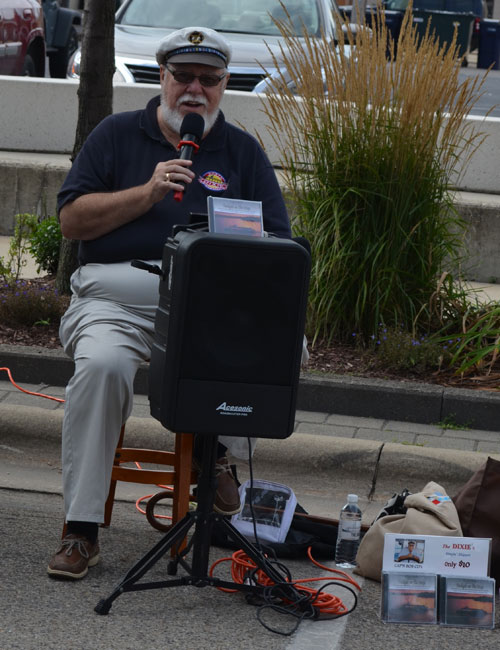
(118, 201)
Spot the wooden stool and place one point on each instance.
(181, 477)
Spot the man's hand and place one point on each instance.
(167, 176)
(410, 557)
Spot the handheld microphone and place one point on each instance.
(192, 128)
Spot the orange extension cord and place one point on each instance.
(241, 564)
(325, 603)
(29, 392)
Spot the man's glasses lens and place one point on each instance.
(187, 77)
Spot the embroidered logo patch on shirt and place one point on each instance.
(213, 181)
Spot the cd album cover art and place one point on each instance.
(235, 216)
(468, 602)
(409, 598)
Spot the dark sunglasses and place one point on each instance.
(207, 80)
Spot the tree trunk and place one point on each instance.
(95, 100)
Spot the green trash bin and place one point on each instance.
(443, 23)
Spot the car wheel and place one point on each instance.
(58, 61)
(29, 67)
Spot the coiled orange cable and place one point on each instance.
(325, 603)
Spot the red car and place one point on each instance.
(22, 43)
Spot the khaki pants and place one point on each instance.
(108, 331)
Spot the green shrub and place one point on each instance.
(37, 236)
(473, 341)
(4, 268)
(44, 244)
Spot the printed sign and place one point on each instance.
(461, 556)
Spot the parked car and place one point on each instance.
(444, 15)
(22, 44)
(31, 30)
(62, 32)
(477, 8)
(248, 26)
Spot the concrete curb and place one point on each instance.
(340, 394)
(324, 463)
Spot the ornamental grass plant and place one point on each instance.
(370, 145)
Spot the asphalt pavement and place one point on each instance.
(338, 446)
(370, 457)
(327, 456)
(41, 614)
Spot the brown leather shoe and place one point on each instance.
(73, 558)
(227, 497)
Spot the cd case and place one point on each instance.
(409, 598)
(235, 217)
(467, 602)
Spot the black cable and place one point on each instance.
(265, 550)
(279, 597)
(334, 616)
(296, 609)
(252, 512)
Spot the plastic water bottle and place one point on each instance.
(349, 533)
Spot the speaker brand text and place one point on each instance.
(228, 409)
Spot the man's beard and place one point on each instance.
(173, 117)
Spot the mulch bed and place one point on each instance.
(45, 336)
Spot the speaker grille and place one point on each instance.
(229, 328)
(240, 320)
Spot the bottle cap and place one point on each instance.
(352, 498)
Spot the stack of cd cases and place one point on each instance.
(427, 599)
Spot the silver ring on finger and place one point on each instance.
(167, 177)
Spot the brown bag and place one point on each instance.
(478, 506)
(424, 516)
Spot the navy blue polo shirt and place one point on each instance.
(123, 151)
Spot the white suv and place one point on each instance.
(248, 26)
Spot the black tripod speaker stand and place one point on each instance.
(197, 572)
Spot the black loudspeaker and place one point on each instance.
(228, 335)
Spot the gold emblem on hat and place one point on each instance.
(196, 38)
